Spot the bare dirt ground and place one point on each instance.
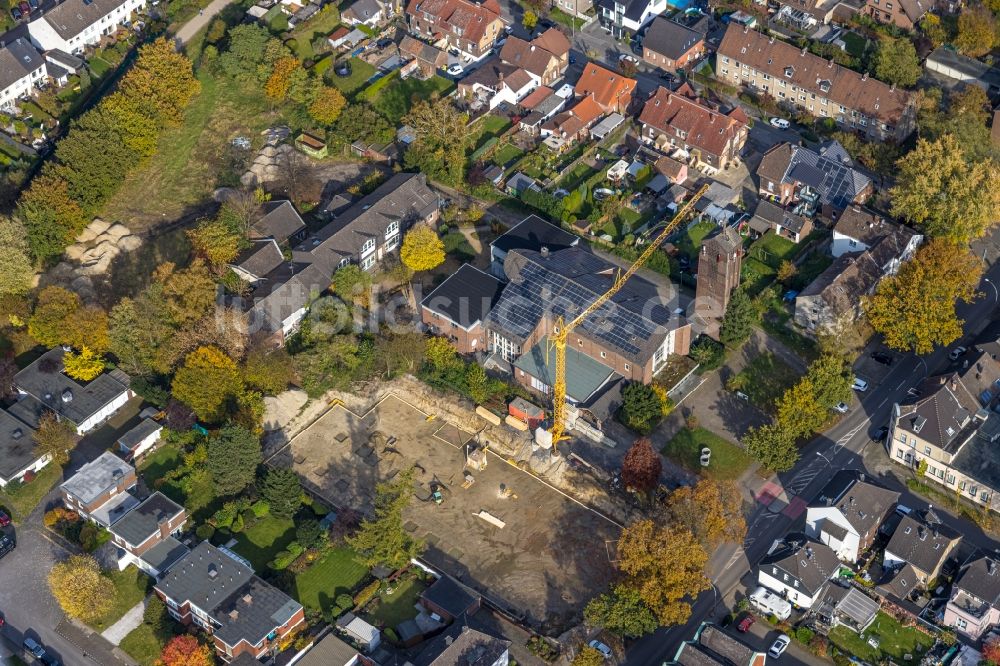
(548, 559)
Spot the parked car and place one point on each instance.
(600, 647)
(456, 69)
(25, 8)
(32, 646)
(34, 4)
(957, 353)
(880, 434)
(745, 624)
(843, 408)
(780, 123)
(384, 42)
(627, 58)
(6, 544)
(50, 660)
(859, 385)
(882, 357)
(779, 646)
(16, 13)
(4, 519)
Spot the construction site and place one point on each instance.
(523, 544)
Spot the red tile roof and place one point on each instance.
(611, 90)
(684, 111)
(470, 18)
(536, 97)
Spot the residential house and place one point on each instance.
(540, 105)
(495, 82)
(718, 204)
(671, 46)
(545, 57)
(623, 18)
(809, 182)
(798, 569)
(456, 308)
(146, 536)
(848, 607)
(470, 27)
(463, 645)
(685, 126)
(218, 592)
(571, 125)
(367, 232)
(904, 14)
(848, 512)
(711, 646)
(805, 15)
(73, 25)
(139, 439)
(825, 89)
(612, 91)
(328, 651)
(22, 68)
(448, 599)
(580, 8)
(44, 386)
(675, 171)
(974, 605)
(426, 59)
(772, 217)
(18, 452)
(952, 65)
(365, 12)
(60, 65)
(338, 37)
(947, 422)
(531, 233)
(834, 297)
(922, 542)
(99, 490)
(519, 183)
(629, 337)
(720, 260)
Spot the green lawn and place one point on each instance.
(507, 154)
(772, 249)
(458, 245)
(756, 275)
(157, 464)
(765, 379)
(260, 542)
(143, 645)
(894, 639)
(560, 16)
(854, 43)
(335, 573)
(486, 129)
(99, 66)
(690, 240)
(392, 609)
(728, 460)
(395, 100)
(320, 25)
(131, 587)
(811, 267)
(361, 71)
(20, 502)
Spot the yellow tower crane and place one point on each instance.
(557, 339)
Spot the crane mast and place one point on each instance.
(562, 329)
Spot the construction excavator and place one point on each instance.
(562, 329)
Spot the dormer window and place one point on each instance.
(368, 246)
(789, 72)
(391, 230)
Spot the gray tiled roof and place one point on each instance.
(809, 562)
(830, 172)
(775, 214)
(144, 429)
(864, 504)
(17, 445)
(450, 595)
(71, 17)
(18, 59)
(462, 646)
(712, 646)
(330, 651)
(262, 258)
(670, 38)
(144, 520)
(252, 612)
(465, 297)
(280, 221)
(922, 544)
(206, 577)
(981, 579)
(534, 233)
(163, 555)
(97, 476)
(67, 61)
(62, 394)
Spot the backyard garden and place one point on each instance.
(764, 380)
(728, 461)
(894, 641)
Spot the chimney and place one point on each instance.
(213, 571)
(803, 53)
(864, 77)
(829, 65)
(163, 525)
(532, 48)
(544, 251)
(954, 384)
(771, 40)
(892, 88)
(448, 640)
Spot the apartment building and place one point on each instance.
(73, 25)
(825, 89)
(848, 512)
(470, 27)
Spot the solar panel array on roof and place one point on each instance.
(807, 174)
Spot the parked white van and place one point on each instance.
(769, 603)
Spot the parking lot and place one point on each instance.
(520, 542)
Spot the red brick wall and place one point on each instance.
(126, 482)
(459, 336)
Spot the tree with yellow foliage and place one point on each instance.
(84, 366)
(216, 241)
(206, 382)
(80, 588)
(422, 249)
(280, 81)
(915, 309)
(327, 106)
(711, 510)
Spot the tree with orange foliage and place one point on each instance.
(642, 466)
(278, 84)
(186, 651)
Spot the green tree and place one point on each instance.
(55, 438)
(233, 457)
(383, 541)
(441, 140)
(798, 413)
(362, 122)
(16, 270)
(48, 322)
(622, 612)
(268, 371)
(944, 195)
(163, 78)
(281, 490)
(772, 446)
(352, 284)
(441, 354)
(216, 241)
(529, 20)
(206, 382)
(641, 409)
(422, 249)
(742, 314)
(896, 61)
(247, 43)
(831, 378)
(478, 383)
(915, 309)
(977, 31)
(51, 217)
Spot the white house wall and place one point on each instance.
(847, 550)
(789, 591)
(99, 417)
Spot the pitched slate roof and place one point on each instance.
(862, 503)
(44, 380)
(863, 224)
(534, 233)
(606, 87)
(252, 612)
(831, 171)
(261, 258)
(634, 322)
(526, 55)
(465, 297)
(980, 578)
(72, 17)
(330, 651)
(809, 562)
(450, 595)
(462, 645)
(141, 431)
(714, 647)
(280, 221)
(18, 59)
(813, 73)
(684, 111)
(923, 543)
(489, 74)
(362, 10)
(774, 214)
(670, 38)
(144, 520)
(900, 583)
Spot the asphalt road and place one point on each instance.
(839, 448)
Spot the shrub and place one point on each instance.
(287, 556)
(224, 517)
(391, 635)
(205, 532)
(366, 594)
(804, 635)
(308, 533)
(249, 518)
(237, 525)
(88, 536)
(260, 509)
(344, 601)
(707, 353)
